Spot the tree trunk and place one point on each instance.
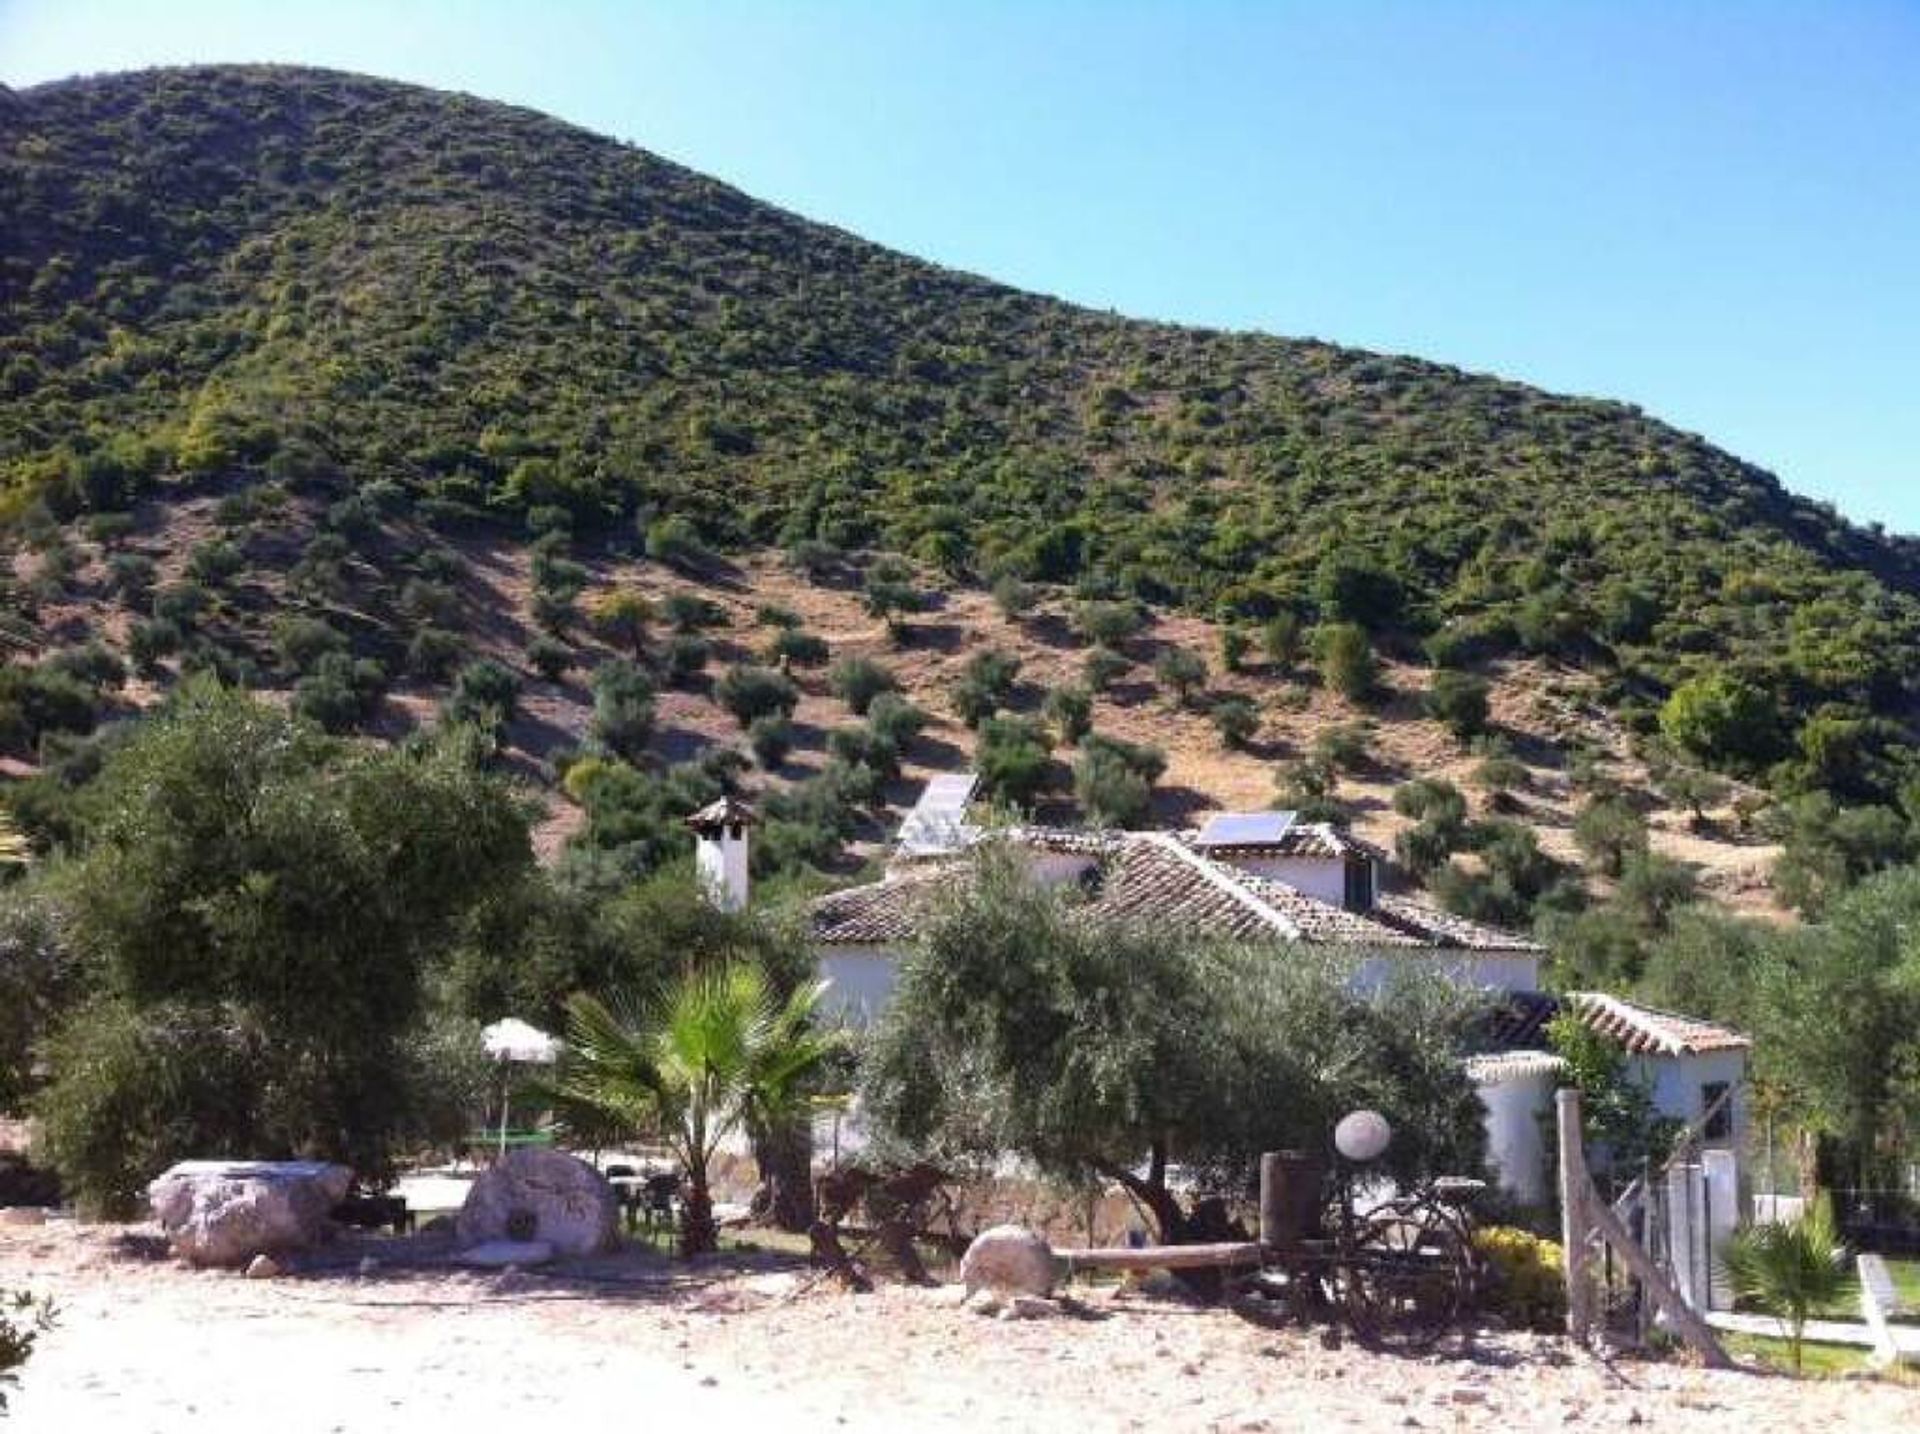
(784, 1153)
(698, 1233)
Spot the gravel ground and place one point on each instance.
(145, 1346)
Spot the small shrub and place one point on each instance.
(1012, 759)
(1107, 624)
(895, 721)
(486, 695)
(622, 709)
(690, 612)
(215, 562)
(1070, 710)
(149, 639)
(815, 558)
(1460, 702)
(1102, 667)
(800, 649)
(985, 685)
(749, 692)
(303, 641)
(1281, 641)
(1234, 647)
(1344, 746)
(773, 614)
(1526, 1281)
(181, 604)
(1237, 720)
(339, 694)
(131, 575)
(1013, 597)
(771, 739)
(1346, 659)
(549, 657)
(675, 541)
(433, 653)
(686, 657)
(856, 681)
(621, 616)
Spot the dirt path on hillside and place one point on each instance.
(639, 1343)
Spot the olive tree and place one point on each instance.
(1099, 1050)
(258, 909)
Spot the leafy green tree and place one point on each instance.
(622, 616)
(257, 909)
(485, 695)
(1114, 1052)
(716, 1053)
(1620, 1124)
(1346, 659)
(1014, 598)
(1309, 788)
(1107, 624)
(23, 1319)
(1723, 721)
(1836, 1012)
(1344, 746)
(1183, 671)
(1827, 848)
(1353, 588)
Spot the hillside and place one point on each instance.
(303, 342)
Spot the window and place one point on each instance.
(1719, 1125)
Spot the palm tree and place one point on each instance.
(714, 1052)
(1790, 1270)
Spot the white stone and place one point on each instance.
(263, 1267)
(23, 1215)
(1009, 1259)
(224, 1212)
(573, 1207)
(505, 1254)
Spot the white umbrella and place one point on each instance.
(514, 1041)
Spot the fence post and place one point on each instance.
(1575, 1222)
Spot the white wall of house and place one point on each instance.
(1324, 878)
(1479, 970)
(1516, 1103)
(1679, 1084)
(860, 980)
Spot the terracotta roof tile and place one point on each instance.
(1643, 1030)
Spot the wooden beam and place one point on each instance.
(1575, 1221)
(1681, 1316)
(1163, 1257)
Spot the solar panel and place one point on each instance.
(1245, 828)
(937, 822)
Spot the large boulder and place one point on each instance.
(1009, 1260)
(534, 1194)
(225, 1212)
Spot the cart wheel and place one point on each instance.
(1410, 1273)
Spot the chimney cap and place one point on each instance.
(728, 811)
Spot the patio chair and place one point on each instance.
(660, 1202)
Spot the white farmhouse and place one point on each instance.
(1267, 877)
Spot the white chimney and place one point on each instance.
(720, 851)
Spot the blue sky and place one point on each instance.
(1709, 210)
